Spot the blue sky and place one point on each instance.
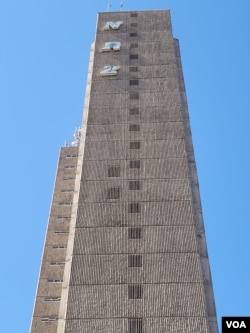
(44, 52)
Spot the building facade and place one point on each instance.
(125, 249)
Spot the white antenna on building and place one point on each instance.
(121, 5)
(109, 6)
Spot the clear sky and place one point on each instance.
(44, 52)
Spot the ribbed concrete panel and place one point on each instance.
(153, 114)
(175, 300)
(175, 168)
(115, 240)
(156, 268)
(153, 325)
(120, 149)
(152, 213)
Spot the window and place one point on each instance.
(135, 325)
(133, 25)
(135, 145)
(68, 178)
(134, 111)
(61, 232)
(57, 263)
(46, 319)
(133, 69)
(133, 96)
(135, 291)
(134, 164)
(134, 207)
(133, 34)
(113, 193)
(62, 217)
(133, 15)
(134, 127)
(70, 166)
(59, 246)
(67, 191)
(70, 156)
(134, 260)
(55, 280)
(114, 171)
(52, 299)
(133, 56)
(134, 185)
(134, 45)
(134, 233)
(65, 203)
(134, 82)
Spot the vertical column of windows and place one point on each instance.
(135, 325)
(65, 192)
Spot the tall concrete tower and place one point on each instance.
(125, 250)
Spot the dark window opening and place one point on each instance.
(135, 145)
(133, 34)
(134, 185)
(134, 82)
(134, 127)
(134, 164)
(134, 111)
(134, 45)
(135, 325)
(133, 69)
(134, 260)
(114, 171)
(134, 207)
(134, 233)
(133, 56)
(113, 193)
(135, 291)
(134, 96)
(133, 25)
(133, 15)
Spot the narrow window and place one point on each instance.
(47, 319)
(134, 233)
(133, 96)
(133, 56)
(134, 46)
(134, 82)
(135, 325)
(134, 260)
(135, 291)
(134, 164)
(55, 280)
(70, 156)
(134, 207)
(134, 111)
(133, 34)
(134, 127)
(134, 185)
(62, 217)
(65, 203)
(52, 299)
(56, 263)
(135, 145)
(133, 15)
(114, 171)
(59, 246)
(133, 25)
(113, 193)
(61, 232)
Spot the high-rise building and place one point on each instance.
(125, 249)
